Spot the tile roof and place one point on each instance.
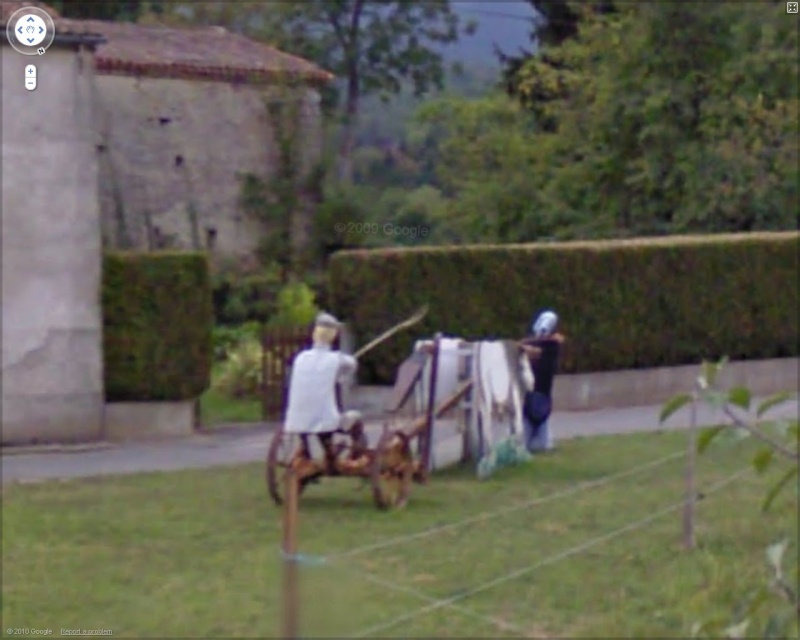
(207, 53)
(7, 9)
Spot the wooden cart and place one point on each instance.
(400, 456)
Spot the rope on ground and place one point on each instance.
(633, 526)
(390, 542)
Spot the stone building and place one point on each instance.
(52, 364)
(135, 135)
(181, 119)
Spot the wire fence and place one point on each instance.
(342, 560)
(557, 495)
(572, 551)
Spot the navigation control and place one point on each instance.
(30, 30)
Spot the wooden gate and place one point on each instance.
(278, 349)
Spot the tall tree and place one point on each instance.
(372, 46)
(671, 118)
(555, 22)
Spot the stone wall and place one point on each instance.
(52, 377)
(171, 154)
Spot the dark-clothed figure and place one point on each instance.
(544, 349)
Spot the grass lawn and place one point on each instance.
(216, 409)
(195, 554)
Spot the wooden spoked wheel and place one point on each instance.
(280, 455)
(392, 470)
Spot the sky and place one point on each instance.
(506, 23)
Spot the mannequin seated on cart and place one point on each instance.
(312, 406)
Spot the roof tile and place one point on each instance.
(207, 53)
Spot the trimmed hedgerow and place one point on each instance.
(157, 324)
(623, 304)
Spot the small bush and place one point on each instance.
(227, 338)
(296, 306)
(240, 376)
(157, 322)
(241, 299)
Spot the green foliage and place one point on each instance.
(759, 609)
(245, 297)
(643, 119)
(157, 322)
(339, 209)
(769, 612)
(665, 116)
(240, 373)
(481, 153)
(240, 376)
(624, 304)
(227, 338)
(296, 306)
(383, 122)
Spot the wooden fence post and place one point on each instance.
(689, 540)
(290, 577)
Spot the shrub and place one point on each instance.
(295, 307)
(240, 375)
(227, 338)
(624, 304)
(157, 321)
(241, 299)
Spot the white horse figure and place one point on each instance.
(500, 373)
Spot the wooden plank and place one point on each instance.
(426, 435)
(407, 376)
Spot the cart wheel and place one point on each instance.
(279, 456)
(392, 468)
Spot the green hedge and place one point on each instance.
(623, 304)
(157, 323)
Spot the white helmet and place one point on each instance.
(545, 324)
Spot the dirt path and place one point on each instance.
(239, 445)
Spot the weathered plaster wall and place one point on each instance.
(52, 382)
(171, 155)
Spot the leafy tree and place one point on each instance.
(665, 118)
(774, 607)
(556, 21)
(482, 153)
